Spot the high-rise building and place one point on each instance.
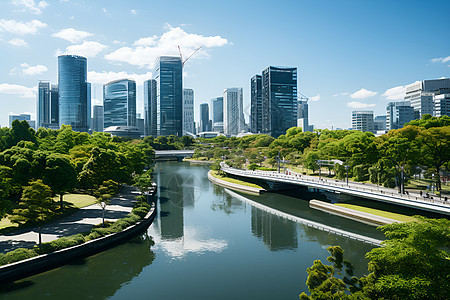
(47, 105)
(140, 123)
(379, 123)
(97, 120)
(88, 99)
(54, 106)
(204, 117)
(217, 112)
(119, 103)
(399, 113)
(441, 105)
(22, 117)
(233, 111)
(256, 104)
(362, 120)
(188, 111)
(73, 102)
(150, 108)
(168, 74)
(303, 116)
(279, 100)
(421, 94)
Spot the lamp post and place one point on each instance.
(432, 183)
(346, 169)
(402, 182)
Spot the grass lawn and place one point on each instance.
(5, 223)
(236, 181)
(377, 212)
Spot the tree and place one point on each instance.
(35, 206)
(413, 264)
(104, 194)
(5, 189)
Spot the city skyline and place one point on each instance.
(346, 58)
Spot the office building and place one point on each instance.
(22, 117)
(119, 103)
(303, 115)
(279, 100)
(47, 105)
(256, 104)
(188, 111)
(441, 105)
(217, 114)
(233, 111)
(379, 123)
(73, 102)
(362, 120)
(150, 107)
(140, 123)
(88, 99)
(204, 117)
(398, 113)
(168, 75)
(97, 120)
(421, 94)
(54, 106)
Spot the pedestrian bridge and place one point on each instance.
(173, 154)
(370, 192)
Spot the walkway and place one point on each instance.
(367, 191)
(81, 221)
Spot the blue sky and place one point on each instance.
(349, 54)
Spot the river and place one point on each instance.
(208, 244)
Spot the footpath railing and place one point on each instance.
(327, 183)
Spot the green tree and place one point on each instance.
(35, 206)
(104, 194)
(6, 187)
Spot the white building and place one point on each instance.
(362, 120)
(441, 105)
(233, 111)
(421, 94)
(188, 111)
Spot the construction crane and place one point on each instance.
(181, 56)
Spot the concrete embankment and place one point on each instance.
(235, 186)
(351, 213)
(41, 263)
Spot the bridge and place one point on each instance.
(342, 188)
(173, 154)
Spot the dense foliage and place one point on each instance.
(413, 264)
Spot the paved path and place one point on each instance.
(80, 221)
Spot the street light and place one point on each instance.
(346, 169)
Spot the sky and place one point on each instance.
(350, 54)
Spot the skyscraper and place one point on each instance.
(73, 102)
(399, 113)
(421, 93)
(302, 115)
(150, 108)
(168, 74)
(217, 108)
(88, 99)
(54, 106)
(119, 103)
(97, 124)
(256, 104)
(204, 117)
(188, 111)
(233, 111)
(362, 120)
(279, 100)
(47, 105)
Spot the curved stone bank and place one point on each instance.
(234, 186)
(41, 263)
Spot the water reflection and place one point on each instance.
(226, 203)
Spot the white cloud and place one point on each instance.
(15, 89)
(144, 55)
(133, 11)
(105, 77)
(341, 94)
(33, 70)
(86, 49)
(18, 42)
(441, 59)
(72, 35)
(355, 104)
(21, 28)
(315, 98)
(362, 94)
(395, 93)
(31, 5)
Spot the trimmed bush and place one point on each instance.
(17, 255)
(140, 211)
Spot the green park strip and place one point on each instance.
(377, 212)
(235, 181)
(138, 213)
(78, 200)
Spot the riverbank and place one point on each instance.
(196, 161)
(235, 184)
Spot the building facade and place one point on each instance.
(362, 120)
(233, 111)
(441, 105)
(217, 114)
(188, 111)
(303, 115)
(379, 123)
(97, 120)
(279, 100)
(47, 105)
(20, 117)
(421, 94)
(204, 117)
(73, 102)
(168, 75)
(119, 103)
(150, 107)
(399, 113)
(256, 104)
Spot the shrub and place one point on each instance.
(140, 211)
(17, 255)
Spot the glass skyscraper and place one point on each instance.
(150, 107)
(168, 75)
(73, 102)
(204, 117)
(279, 100)
(119, 103)
(47, 106)
(217, 107)
(233, 111)
(188, 111)
(97, 120)
(256, 104)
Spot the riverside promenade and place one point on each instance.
(367, 191)
(81, 221)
